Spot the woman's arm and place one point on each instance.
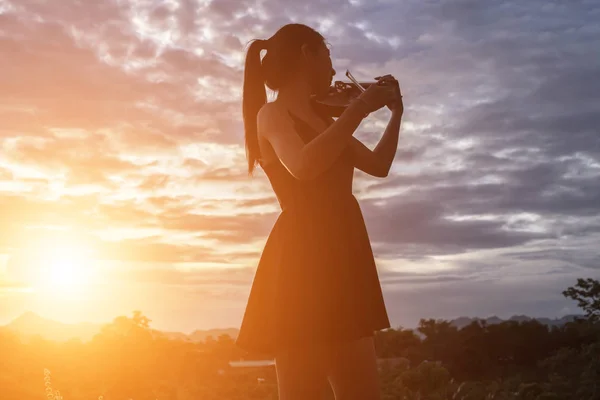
(307, 161)
(378, 162)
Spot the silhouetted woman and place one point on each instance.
(316, 299)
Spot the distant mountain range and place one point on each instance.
(31, 324)
(464, 321)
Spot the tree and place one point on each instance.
(587, 294)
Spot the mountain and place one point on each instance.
(30, 324)
(464, 321)
(200, 336)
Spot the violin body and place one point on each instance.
(339, 97)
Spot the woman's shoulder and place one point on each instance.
(273, 117)
(271, 109)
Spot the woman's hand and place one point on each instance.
(378, 96)
(397, 105)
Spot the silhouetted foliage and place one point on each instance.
(587, 294)
(129, 360)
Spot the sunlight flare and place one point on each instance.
(59, 264)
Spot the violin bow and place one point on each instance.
(358, 85)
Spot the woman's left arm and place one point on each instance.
(378, 162)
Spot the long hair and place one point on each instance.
(283, 50)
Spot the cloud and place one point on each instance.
(122, 121)
(196, 278)
(157, 225)
(456, 298)
(423, 223)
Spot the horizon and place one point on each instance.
(224, 328)
(122, 171)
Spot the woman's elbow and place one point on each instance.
(382, 172)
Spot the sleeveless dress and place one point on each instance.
(316, 280)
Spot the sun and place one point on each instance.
(65, 265)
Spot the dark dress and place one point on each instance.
(316, 280)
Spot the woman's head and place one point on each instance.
(294, 52)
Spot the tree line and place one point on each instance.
(511, 360)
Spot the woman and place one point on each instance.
(316, 299)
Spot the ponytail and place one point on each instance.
(273, 71)
(254, 96)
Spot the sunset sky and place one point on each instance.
(122, 168)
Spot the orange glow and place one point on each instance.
(66, 267)
(61, 264)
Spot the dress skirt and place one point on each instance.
(316, 280)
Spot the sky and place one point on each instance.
(123, 182)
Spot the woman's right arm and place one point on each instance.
(307, 161)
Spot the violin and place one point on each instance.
(340, 95)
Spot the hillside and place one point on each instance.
(31, 324)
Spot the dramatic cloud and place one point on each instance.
(121, 131)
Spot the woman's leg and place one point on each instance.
(352, 370)
(300, 374)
